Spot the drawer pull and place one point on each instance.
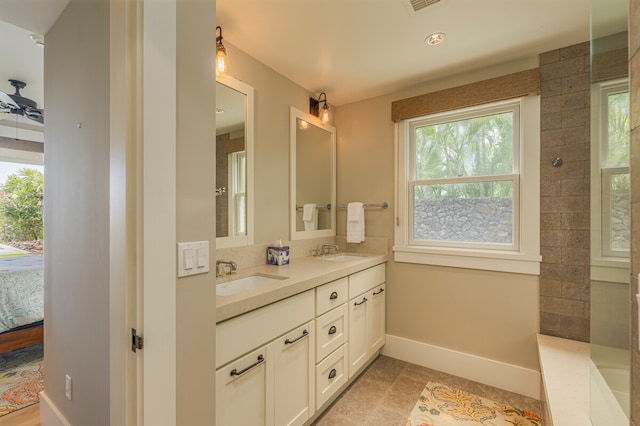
(364, 299)
(375, 293)
(333, 329)
(334, 295)
(305, 333)
(333, 373)
(235, 372)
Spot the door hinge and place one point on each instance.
(136, 341)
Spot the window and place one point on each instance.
(238, 193)
(610, 180)
(460, 179)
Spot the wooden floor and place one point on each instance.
(29, 416)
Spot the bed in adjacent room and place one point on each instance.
(21, 301)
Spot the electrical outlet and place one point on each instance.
(67, 386)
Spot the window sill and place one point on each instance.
(501, 261)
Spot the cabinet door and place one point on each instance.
(358, 347)
(291, 370)
(241, 391)
(375, 319)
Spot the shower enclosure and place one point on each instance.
(610, 214)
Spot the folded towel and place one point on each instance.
(310, 217)
(355, 222)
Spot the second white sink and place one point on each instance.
(246, 283)
(343, 257)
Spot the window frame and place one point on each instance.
(523, 255)
(606, 265)
(237, 177)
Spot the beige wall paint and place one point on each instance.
(488, 314)
(274, 94)
(195, 210)
(76, 212)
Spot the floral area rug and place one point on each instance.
(441, 405)
(21, 378)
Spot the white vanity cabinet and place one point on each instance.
(366, 316)
(278, 364)
(275, 383)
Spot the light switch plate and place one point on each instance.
(193, 258)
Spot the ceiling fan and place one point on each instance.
(17, 104)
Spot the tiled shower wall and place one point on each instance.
(634, 74)
(564, 192)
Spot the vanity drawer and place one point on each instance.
(243, 333)
(331, 374)
(331, 295)
(365, 280)
(331, 331)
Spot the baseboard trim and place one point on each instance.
(513, 378)
(49, 413)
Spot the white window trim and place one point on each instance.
(526, 259)
(603, 267)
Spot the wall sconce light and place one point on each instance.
(314, 108)
(222, 62)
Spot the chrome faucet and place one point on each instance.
(233, 267)
(328, 248)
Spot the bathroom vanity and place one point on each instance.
(285, 350)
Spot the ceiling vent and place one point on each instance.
(421, 4)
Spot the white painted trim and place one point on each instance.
(513, 378)
(516, 263)
(159, 269)
(610, 274)
(49, 413)
(525, 259)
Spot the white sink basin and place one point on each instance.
(343, 257)
(245, 283)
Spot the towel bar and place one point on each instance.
(382, 205)
(328, 207)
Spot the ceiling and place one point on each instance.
(350, 49)
(358, 49)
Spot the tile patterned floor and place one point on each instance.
(386, 392)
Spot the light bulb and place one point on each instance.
(324, 117)
(222, 63)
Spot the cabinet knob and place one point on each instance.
(333, 373)
(334, 295)
(333, 329)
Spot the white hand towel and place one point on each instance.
(355, 222)
(310, 217)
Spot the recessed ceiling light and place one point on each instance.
(435, 38)
(219, 111)
(37, 39)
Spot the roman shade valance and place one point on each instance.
(509, 86)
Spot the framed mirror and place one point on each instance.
(234, 163)
(313, 177)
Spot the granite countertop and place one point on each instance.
(301, 274)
